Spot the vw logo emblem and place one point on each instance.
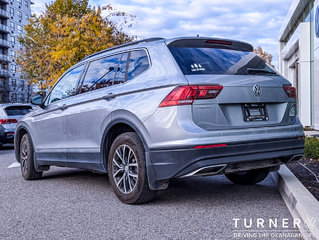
(257, 90)
(317, 22)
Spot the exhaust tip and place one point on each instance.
(206, 171)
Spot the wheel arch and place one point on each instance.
(114, 129)
(142, 132)
(19, 132)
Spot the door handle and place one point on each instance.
(109, 97)
(63, 107)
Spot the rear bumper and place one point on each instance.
(7, 137)
(172, 163)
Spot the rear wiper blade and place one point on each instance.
(258, 70)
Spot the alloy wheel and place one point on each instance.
(125, 169)
(24, 156)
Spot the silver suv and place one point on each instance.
(157, 109)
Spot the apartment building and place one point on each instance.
(14, 14)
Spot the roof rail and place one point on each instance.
(125, 45)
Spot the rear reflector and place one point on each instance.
(8, 121)
(210, 146)
(291, 91)
(222, 42)
(10, 133)
(185, 95)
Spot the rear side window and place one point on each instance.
(17, 110)
(121, 70)
(138, 64)
(100, 73)
(194, 61)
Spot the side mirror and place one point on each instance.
(37, 99)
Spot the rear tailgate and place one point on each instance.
(14, 114)
(228, 109)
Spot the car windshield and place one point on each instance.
(194, 61)
(17, 110)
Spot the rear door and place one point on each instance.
(88, 113)
(252, 92)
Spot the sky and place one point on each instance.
(255, 21)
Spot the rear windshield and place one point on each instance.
(194, 61)
(17, 110)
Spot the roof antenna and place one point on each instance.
(197, 35)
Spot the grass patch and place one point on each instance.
(312, 147)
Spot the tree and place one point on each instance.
(267, 57)
(66, 32)
(71, 8)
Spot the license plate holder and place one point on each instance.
(255, 112)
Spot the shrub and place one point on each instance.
(312, 147)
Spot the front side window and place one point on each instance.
(100, 73)
(66, 86)
(138, 64)
(195, 61)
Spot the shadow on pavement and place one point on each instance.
(64, 173)
(193, 189)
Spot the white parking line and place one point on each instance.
(13, 165)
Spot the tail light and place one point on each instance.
(291, 91)
(185, 95)
(8, 121)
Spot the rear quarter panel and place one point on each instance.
(142, 95)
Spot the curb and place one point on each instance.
(300, 202)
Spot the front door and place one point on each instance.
(50, 123)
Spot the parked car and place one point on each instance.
(10, 114)
(157, 109)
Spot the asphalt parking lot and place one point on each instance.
(77, 204)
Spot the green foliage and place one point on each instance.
(64, 34)
(312, 147)
(267, 57)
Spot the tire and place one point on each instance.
(127, 170)
(248, 177)
(26, 159)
